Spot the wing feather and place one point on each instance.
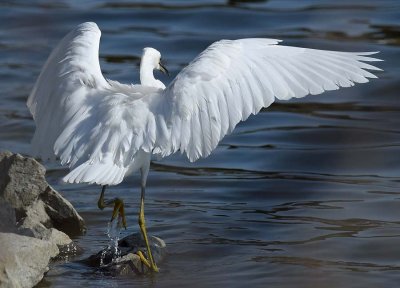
(241, 77)
(97, 127)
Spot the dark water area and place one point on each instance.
(305, 194)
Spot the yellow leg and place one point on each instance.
(118, 206)
(150, 261)
(143, 259)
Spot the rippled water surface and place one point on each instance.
(306, 194)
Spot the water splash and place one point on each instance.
(112, 251)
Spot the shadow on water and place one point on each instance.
(305, 194)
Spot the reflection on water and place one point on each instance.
(306, 194)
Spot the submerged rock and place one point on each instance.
(127, 262)
(36, 222)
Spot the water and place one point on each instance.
(306, 194)
(113, 234)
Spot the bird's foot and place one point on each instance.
(151, 265)
(118, 206)
(119, 210)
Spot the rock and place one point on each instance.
(61, 212)
(128, 262)
(24, 187)
(21, 180)
(53, 235)
(7, 216)
(36, 222)
(24, 260)
(8, 221)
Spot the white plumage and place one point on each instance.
(104, 130)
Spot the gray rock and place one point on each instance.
(7, 216)
(23, 260)
(24, 187)
(61, 212)
(37, 220)
(39, 231)
(21, 180)
(8, 221)
(127, 262)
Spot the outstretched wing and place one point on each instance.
(70, 74)
(232, 79)
(90, 123)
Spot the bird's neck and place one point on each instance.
(146, 74)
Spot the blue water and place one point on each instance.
(305, 194)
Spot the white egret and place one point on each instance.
(104, 130)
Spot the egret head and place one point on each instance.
(152, 57)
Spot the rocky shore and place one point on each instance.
(36, 222)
